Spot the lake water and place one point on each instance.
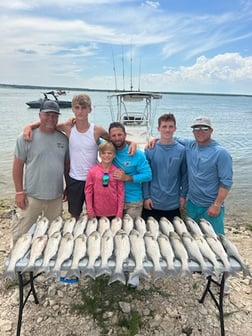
(231, 117)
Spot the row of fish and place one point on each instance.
(120, 240)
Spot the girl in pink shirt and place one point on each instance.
(104, 194)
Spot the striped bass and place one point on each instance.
(127, 223)
(140, 225)
(80, 226)
(68, 226)
(208, 253)
(232, 251)
(50, 251)
(153, 226)
(37, 248)
(103, 225)
(93, 252)
(107, 247)
(91, 227)
(18, 251)
(195, 253)
(64, 252)
(166, 226)
(79, 252)
(194, 227)
(167, 253)
(220, 252)
(207, 228)
(181, 254)
(116, 225)
(153, 252)
(55, 226)
(121, 251)
(179, 225)
(138, 252)
(41, 227)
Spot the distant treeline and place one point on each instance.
(33, 87)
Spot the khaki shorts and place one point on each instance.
(23, 220)
(134, 209)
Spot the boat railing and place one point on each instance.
(134, 118)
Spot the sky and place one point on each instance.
(168, 46)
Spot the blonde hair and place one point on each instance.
(106, 146)
(81, 99)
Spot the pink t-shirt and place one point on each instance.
(104, 200)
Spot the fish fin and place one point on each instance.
(73, 272)
(89, 272)
(104, 270)
(117, 277)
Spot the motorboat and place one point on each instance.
(51, 95)
(136, 111)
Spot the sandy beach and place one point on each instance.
(178, 312)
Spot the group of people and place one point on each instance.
(171, 174)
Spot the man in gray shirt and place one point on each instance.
(38, 170)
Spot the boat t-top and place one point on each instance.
(136, 111)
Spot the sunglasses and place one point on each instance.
(105, 180)
(202, 128)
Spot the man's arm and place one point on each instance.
(214, 208)
(17, 173)
(100, 132)
(64, 127)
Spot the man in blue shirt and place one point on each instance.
(166, 193)
(135, 170)
(209, 174)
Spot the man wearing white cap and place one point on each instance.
(38, 170)
(209, 174)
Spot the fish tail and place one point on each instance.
(28, 269)
(9, 274)
(117, 277)
(89, 272)
(185, 273)
(43, 269)
(103, 270)
(139, 273)
(171, 272)
(73, 272)
(246, 272)
(55, 274)
(159, 274)
(207, 272)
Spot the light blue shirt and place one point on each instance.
(169, 175)
(209, 168)
(136, 166)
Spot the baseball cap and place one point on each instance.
(202, 121)
(50, 106)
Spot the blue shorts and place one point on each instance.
(197, 212)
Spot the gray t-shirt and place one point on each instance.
(44, 158)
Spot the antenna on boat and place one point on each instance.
(139, 75)
(131, 85)
(114, 69)
(123, 69)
